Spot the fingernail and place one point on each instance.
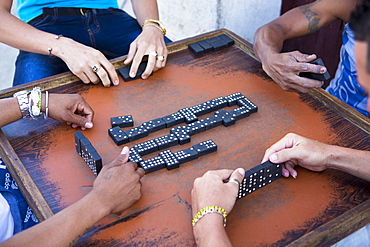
(241, 171)
(309, 56)
(144, 77)
(116, 82)
(273, 157)
(322, 70)
(124, 150)
(294, 176)
(88, 125)
(132, 74)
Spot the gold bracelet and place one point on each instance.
(159, 24)
(209, 210)
(153, 25)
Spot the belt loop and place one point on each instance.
(55, 12)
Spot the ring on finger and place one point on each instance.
(153, 53)
(95, 68)
(160, 58)
(234, 180)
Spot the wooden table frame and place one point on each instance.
(326, 234)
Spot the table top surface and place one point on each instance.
(275, 215)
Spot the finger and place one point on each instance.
(111, 72)
(238, 175)
(223, 174)
(305, 58)
(104, 78)
(92, 76)
(83, 77)
(290, 167)
(131, 53)
(78, 120)
(304, 83)
(149, 67)
(141, 172)
(85, 109)
(121, 158)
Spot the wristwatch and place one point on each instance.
(23, 102)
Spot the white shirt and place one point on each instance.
(6, 220)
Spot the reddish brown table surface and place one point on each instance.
(288, 211)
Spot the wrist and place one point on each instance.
(155, 24)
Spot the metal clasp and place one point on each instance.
(82, 11)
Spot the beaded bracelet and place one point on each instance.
(209, 210)
(34, 104)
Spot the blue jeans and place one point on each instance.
(110, 31)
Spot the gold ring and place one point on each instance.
(95, 68)
(153, 53)
(160, 58)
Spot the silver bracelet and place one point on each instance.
(46, 104)
(23, 101)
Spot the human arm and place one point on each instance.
(151, 39)
(70, 108)
(212, 190)
(115, 189)
(284, 68)
(295, 150)
(79, 58)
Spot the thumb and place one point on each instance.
(121, 158)
(238, 175)
(79, 120)
(283, 156)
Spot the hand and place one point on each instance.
(294, 150)
(213, 190)
(70, 108)
(150, 40)
(118, 185)
(81, 59)
(284, 69)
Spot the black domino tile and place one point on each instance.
(315, 76)
(227, 39)
(170, 159)
(122, 121)
(188, 115)
(147, 147)
(195, 128)
(118, 135)
(125, 71)
(258, 177)
(153, 164)
(154, 125)
(196, 49)
(211, 122)
(136, 133)
(186, 155)
(78, 136)
(232, 99)
(181, 134)
(226, 117)
(240, 112)
(217, 103)
(205, 147)
(173, 119)
(249, 104)
(94, 162)
(166, 141)
(219, 45)
(201, 109)
(134, 156)
(204, 44)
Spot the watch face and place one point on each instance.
(21, 93)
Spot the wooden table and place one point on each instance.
(316, 209)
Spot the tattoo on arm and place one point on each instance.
(312, 17)
(74, 241)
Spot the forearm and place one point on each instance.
(10, 111)
(209, 231)
(64, 228)
(355, 162)
(145, 9)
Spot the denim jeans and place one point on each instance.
(110, 31)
